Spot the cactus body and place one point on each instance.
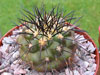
(46, 41)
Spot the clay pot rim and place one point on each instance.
(82, 33)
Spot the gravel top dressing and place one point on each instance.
(11, 63)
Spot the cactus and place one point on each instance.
(47, 39)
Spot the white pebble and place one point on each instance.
(91, 47)
(2, 70)
(16, 54)
(6, 73)
(19, 71)
(91, 60)
(76, 72)
(7, 40)
(80, 63)
(14, 66)
(68, 72)
(17, 61)
(93, 55)
(89, 73)
(4, 48)
(93, 68)
(86, 64)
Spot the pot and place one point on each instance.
(82, 33)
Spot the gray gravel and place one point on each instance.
(12, 65)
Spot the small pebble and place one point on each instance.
(16, 54)
(76, 72)
(68, 72)
(0, 54)
(63, 73)
(19, 71)
(6, 73)
(88, 73)
(93, 55)
(86, 64)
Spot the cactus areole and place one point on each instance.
(47, 40)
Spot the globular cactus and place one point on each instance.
(47, 39)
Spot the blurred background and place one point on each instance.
(89, 9)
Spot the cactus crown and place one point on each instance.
(47, 39)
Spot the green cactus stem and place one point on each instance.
(46, 40)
